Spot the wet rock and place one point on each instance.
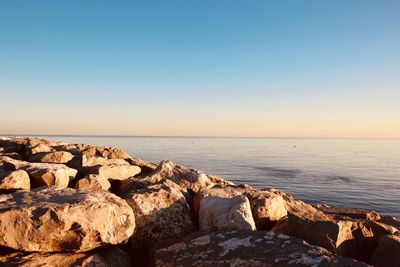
(387, 253)
(109, 257)
(217, 213)
(161, 212)
(244, 248)
(43, 174)
(54, 220)
(350, 212)
(93, 182)
(52, 157)
(14, 180)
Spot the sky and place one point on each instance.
(326, 69)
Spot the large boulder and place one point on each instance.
(14, 180)
(43, 174)
(244, 248)
(268, 205)
(109, 257)
(53, 220)
(161, 212)
(387, 253)
(218, 213)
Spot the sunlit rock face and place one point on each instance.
(217, 213)
(42, 174)
(161, 212)
(54, 220)
(14, 180)
(108, 257)
(244, 248)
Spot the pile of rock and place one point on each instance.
(79, 205)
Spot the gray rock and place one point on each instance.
(244, 248)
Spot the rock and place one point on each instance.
(52, 157)
(186, 178)
(116, 169)
(389, 220)
(93, 182)
(350, 212)
(12, 144)
(217, 213)
(13, 155)
(388, 252)
(14, 180)
(244, 248)
(43, 174)
(161, 212)
(54, 220)
(268, 205)
(109, 257)
(40, 148)
(351, 238)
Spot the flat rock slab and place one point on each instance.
(54, 220)
(110, 257)
(244, 248)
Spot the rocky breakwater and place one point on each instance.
(80, 205)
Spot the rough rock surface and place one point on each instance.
(52, 157)
(51, 220)
(186, 178)
(43, 174)
(93, 182)
(244, 248)
(217, 213)
(268, 205)
(350, 238)
(388, 251)
(111, 257)
(350, 212)
(161, 212)
(14, 180)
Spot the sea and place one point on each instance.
(356, 173)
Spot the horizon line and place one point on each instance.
(192, 136)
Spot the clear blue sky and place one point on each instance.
(225, 68)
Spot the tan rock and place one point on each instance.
(53, 220)
(161, 212)
(355, 213)
(14, 180)
(116, 171)
(186, 178)
(109, 257)
(387, 253)
(43, 174)
(52, 157)
(244, 248)
(40, 148)
(93, 182)
(268, 206)
(217, 213)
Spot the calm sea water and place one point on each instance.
(361, 173)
